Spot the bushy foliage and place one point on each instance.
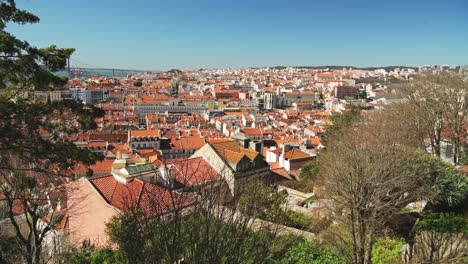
(309, 171)
(386, 251)
(309, 253)
(262, 201)
(282, 245)
(342, 121)
(297, 220)
(443, 223)
(451, 188)
(99, 256)
(194, 238)
(9, 250)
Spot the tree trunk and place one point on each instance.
(370, 243)
(354, 236)
(362, 239)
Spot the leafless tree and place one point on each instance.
(33, 206)
(434, 108)
(369, 175)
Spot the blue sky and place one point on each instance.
(192, 34)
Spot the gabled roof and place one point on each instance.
(249, 153)
(232, 157)
(295, 154)
(232, 152)
(252, 132)
(193, 171)
(282, 173)
(149, 197)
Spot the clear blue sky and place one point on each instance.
(192, 34)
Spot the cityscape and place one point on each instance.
(231, 160)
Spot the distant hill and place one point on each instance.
(339, 67)
(89, 72)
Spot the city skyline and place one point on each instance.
(212, 34)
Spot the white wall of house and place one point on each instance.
(271, 156)
(215, 161)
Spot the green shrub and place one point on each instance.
(297, 220)
(280, 247)
(309, 253)
(99, 256)
(443, 223)
(309, 171)
(386, 251)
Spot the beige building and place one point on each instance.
(236, 165)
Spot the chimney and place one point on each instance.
(167, 175)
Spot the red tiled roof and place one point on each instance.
(252, 131)
(194, 171)
(281, 172)
(145, 133)
(274, 165)
(232, 152)
(111, 138)
(315, 141)
(295, 154)
(104, 166)
(149, 197)
(232, 156)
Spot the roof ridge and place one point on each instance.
(113, 191)
(141, 191)
(109, 201)
(98, 177)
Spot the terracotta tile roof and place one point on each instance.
(295, 173)
(252, 132)
(214, 140)
(145, 133)
(104, 166)
(232, 152)
(274, 165)
(326, 75)
(295, 154)
(249, 153)
(149, 197)
(282, 173)
(229, 144)
(111, 138)
(96, 144)
(106, 185)
(194, 171)
(232, 156)
(315, 141)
